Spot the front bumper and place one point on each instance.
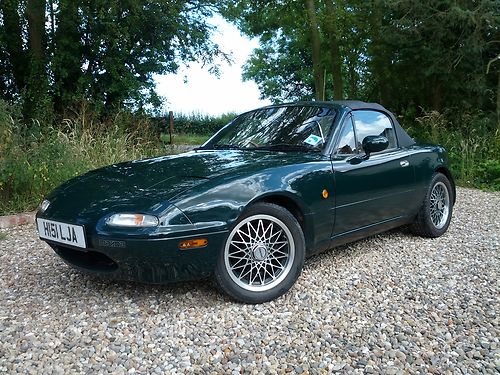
(155, 260)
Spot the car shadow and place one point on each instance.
(76, 283)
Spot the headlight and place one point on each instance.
(43, 206)
(133, 220)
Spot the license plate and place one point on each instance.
(68, 234)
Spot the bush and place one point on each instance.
(33, 164)
(194, 123)
(472, 141)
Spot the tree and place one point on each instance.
(332, 39)
(318, 70)
(13, 59)
(294, 37)
(403, 53)
(433, 53)
(98, 51)
(36, 84)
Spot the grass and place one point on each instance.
(3, 236)
(32, 162)
(185, 139)
(473, 144)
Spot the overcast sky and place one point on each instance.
(194, 89)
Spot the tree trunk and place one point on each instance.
(14, 42)
(353, 78)
(318, 73)
(67, 59)
(498, 99)
(336, 58)
(380, 60)
(36, 99)
(437, 95)
(35, 12)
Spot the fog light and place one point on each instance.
(43, 206)
(192, 244)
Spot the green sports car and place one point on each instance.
(272, 187)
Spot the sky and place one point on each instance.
(194, 90)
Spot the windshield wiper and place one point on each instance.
(223, 146)
(287, 148)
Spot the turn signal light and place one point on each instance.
(192, 244)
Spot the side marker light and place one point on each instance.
(192, 244)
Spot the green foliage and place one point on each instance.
(185, 139)
(434, 53)
(197, 123)
(194, 123)
(32, 165)
(472, 141)
(401, 53)
(98, 51)
(282, 65)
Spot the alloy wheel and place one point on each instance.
(259, 253)
(439, 205)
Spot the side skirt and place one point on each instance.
(360, 233)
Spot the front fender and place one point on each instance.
(218, 203)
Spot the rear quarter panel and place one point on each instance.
(427, 160)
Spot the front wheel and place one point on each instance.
(263, 255)
(434, 216)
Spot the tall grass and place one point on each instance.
(33, 162)
(472, 141)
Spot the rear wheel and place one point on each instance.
(263, 255)
(434, 216)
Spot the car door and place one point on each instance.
(372, 191)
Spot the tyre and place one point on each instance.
(434, 216)
(263, 255)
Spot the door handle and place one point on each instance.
(404, 163)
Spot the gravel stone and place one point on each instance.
(393, 303)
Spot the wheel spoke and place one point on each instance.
(279, 246)
(266, 270)
(265, 236)
(240, 260)
(275, 235)
(240, 245)
(241, 233)
(260, 230)
(252, 229)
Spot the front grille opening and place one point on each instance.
(90, 260)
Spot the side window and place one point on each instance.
(373, 123)
(347, 142)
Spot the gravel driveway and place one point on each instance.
(392, 304)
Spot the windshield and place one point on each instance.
(285, 128)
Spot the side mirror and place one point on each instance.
(374, 143)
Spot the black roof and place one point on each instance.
(357, 104)
(352, 104)
(403, 138)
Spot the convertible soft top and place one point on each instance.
(403, 138)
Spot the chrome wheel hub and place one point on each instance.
(259, 253)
